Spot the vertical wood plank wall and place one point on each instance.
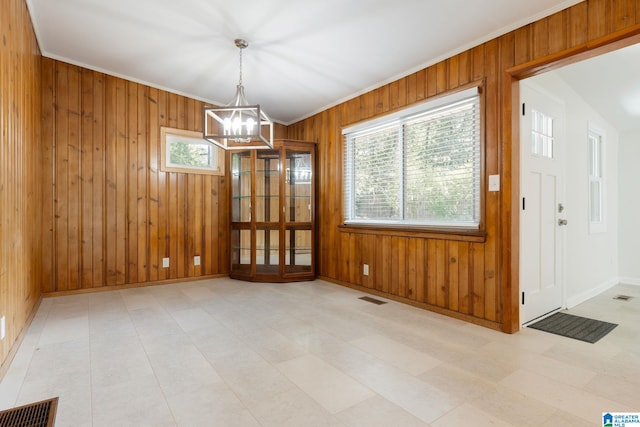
(110, 214)
(468, 280)
(20, 218)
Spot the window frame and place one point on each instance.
(190, 137)
(449, 231)
(597, 132)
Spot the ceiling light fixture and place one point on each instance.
(238, 125)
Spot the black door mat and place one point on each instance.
(576, 327)
(37, 414)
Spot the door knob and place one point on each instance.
(562, 222)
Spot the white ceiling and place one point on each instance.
(304, 56)
(610, 84)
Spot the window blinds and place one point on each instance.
(420, 169)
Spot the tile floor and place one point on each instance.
(228, 353)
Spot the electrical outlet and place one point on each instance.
(2, 327)
(196, 260)
(365, 269)
(165, 262)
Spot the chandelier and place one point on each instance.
(238, 125)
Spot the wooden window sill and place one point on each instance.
(474, 236)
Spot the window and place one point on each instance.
(542, 139)
(596, 181)
(419, 167)
(187, 152)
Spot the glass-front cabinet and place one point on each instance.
(272, 218)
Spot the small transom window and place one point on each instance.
(187, 152)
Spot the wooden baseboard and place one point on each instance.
(107, 288)
(450, 313)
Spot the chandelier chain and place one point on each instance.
(240, 82)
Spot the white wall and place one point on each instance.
(629, 214)
(590, 259)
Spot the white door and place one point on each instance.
(541, 210)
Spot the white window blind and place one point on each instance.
(417, 168)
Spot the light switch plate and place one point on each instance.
(494, 182)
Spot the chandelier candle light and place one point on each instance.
(238, 125)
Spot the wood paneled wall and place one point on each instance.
(20, 217)
(110, 214)
(476, 281)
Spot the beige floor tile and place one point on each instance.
(563, 419)
(154, 322)
(65, 329)
(192, 319)
(256, 383)
(115, 324)
(198, 292)
(214, 405)
(74, 409)
(225, 352)
(135, 299)
(616, 388)
(466, 414)
(271, 345)
(483, 365)
(330, 387)
(14, 378)
(292, 408)
(422, 400)
(397, 354)
(560, 396)
(458, 382)
(117, 361)
(557, 370)
(378, 412)
(513, 407)
(138, 402)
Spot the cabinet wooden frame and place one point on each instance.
(267, 232)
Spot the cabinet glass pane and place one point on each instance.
(241, 187)
(298, 251)
(298, 181)
(241, 250)
(267, 250)
(267, 186)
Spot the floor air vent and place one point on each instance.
(622, 297)
(38, 414)
(373, 300)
